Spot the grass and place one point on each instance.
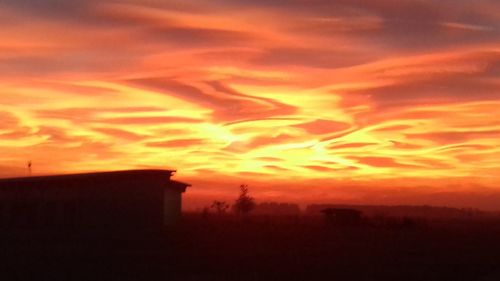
(260, 248)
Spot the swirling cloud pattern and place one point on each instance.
(313, 97)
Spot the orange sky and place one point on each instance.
(359, 101)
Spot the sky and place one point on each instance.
(359, 101)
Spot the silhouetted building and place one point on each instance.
(137, 199)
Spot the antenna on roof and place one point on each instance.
(29, 167)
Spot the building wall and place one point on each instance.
(90, 204)
(172, 205)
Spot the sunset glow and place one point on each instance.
(355, 101)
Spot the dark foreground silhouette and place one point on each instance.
(219, 247)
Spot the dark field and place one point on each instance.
(261, 248)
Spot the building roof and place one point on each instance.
(114, 176)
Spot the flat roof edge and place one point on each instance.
(88, 174)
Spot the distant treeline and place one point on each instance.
(286, 209)
(373, 211)
(274, 208)
(401, 211)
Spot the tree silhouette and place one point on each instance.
(220, 207)
(245, 203)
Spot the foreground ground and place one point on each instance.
(226, 248)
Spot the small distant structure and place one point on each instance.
(134, 199)
(342, 216)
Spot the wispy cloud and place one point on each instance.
(364, 90)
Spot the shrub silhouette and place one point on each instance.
(220, 207)
(244, 204)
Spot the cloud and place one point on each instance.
(276, 168)
(312, 57)
(176, 143)
(382, 162)
(404, 24)
(258, 142)
(148, 120)
(455, 137)
(349, 145)
(11, 128)
(309, 95)
(50, 8)
(119, 133)
(437, 90)
(196, 37)
(320, 127)
(9, 121)
(100, 115)
(228, 105)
